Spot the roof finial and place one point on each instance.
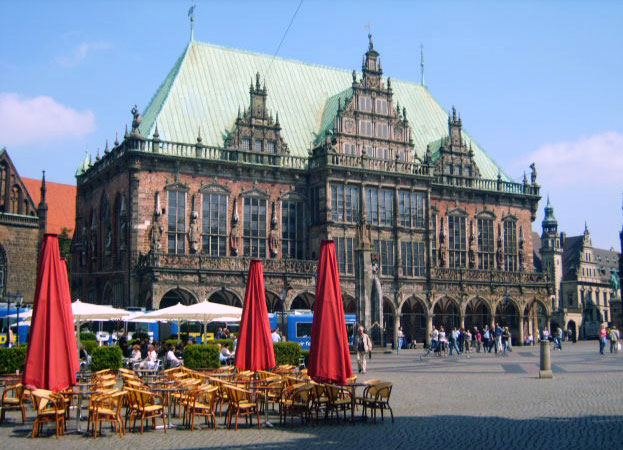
(191, 15)
(199, 139)
(116, 139)
(106, 151)
(371, 43)
(257, 81)
(125, 135)
(453, 113)
(277, 119)
(156, 134)
(422, 64)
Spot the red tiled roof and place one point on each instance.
(61, 199)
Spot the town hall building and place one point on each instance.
(229, 162)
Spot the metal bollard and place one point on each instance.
(546, 364)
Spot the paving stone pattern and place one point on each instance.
(480, 402)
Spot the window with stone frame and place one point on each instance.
(486, 247)
(365, 103)
(366, 128)
(457, 247)
(245, 144)
(214, 224)
(106, 219)
(381, 106)
(292, 229)
(344, 203)
(413, 260)
(385, 251)
(176, 222)
(433, 226)
(411, 209)
(510, 245)
(94, 237)
(382, 130)
(350, 148)
(254, 227)
(345, 256)
(270, 146)
(380, 206)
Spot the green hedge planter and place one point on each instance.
(106, 358)
(288, 353)
(201, 356)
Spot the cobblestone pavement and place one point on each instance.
(481, 401)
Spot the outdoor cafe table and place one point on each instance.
(352, 387)
(263, 392)
(166, 399)
(81, 393)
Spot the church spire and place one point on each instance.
(42, 209)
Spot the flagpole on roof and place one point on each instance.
(191, 15)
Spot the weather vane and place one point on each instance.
(191, 15)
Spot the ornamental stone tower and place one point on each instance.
(551, 251)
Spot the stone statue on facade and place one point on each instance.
(615, 283)
(194, 233)
(442, 245)
(273, 243)
(472, 246)
(364, 234)
(533, 173)
(85, 243)
(156, 233)
(522, 251)
(136, 119)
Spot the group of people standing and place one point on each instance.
(609, 335)
(464, 340)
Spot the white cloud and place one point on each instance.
(80, 53)
(38, 119)
(588, 162)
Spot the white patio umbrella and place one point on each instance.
(206, 312)
(175, 312)
(84, 312)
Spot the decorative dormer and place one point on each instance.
(456, 163)
(254, 129)
(364, 121)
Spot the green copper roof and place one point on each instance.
(209, 83)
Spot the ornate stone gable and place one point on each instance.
(368, 122)
(456, 158)
(255, 130)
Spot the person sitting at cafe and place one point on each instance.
(85, 358)
(151, 361)
(172, 360)
(225, 355)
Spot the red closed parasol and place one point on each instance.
(255, 345)
(52, 358)
(329, 358)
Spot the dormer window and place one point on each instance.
(381, 106)
(365, 103)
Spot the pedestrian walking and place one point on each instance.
(602, 339)
(401, 338)
(434, 341)
(454, 341)
(614, 340)
(443, 342)
(504, 338)
(478, 340)
(363, 344)
(558, 337)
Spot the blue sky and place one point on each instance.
(534, 81)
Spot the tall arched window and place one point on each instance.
(93, 235)
(106, 227)
(15, 200)
(121, 225)
(3, 271)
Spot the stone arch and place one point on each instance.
(572, 330)
(535, 318)
(350, 303)
(108, 295)
(446, 313)
(413, 318)
(477, 313)
(389, 319)
(507, 314)
(225, 297)
(175, 296)
(273, 302)
(303, 300)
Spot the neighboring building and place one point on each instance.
(584, 297)
(428, 229)
(22, 224)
